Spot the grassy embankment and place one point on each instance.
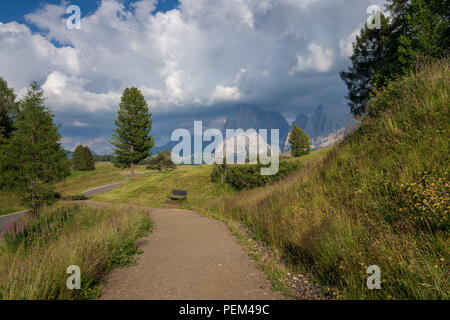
(33, 262)
(379, 198)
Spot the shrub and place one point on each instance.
(248, 176)
(162, 161)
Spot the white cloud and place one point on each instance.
(319, 60)
(202, 53)
(222, 93)
(80, 124)
(346, 45)
(68, 93)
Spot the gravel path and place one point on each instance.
(188, 256)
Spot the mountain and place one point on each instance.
(250, 117)
(327, 125)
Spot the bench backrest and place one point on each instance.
(179, 192)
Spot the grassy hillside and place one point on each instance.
(379, 198)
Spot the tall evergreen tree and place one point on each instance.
(131, 138)
(34, 159)
(368, 53)
(416, 29)
(299, 141)
(8, 108)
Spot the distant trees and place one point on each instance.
(416, 30)
(131, 138)
(82, 159)
(163, 161)
(33, 159)
(300, 143)
(104, 158)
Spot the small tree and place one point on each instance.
(82, 159)
(34, 159)
(131, 138)
(162, 161)
(300, 143)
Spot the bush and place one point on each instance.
(162, 161)
(248, 176)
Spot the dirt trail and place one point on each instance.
(188, 256)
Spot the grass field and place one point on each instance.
(9, 203)
(152, 188)
(78, 181)
(94, 239)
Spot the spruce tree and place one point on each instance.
(8, 108)
(300, 143)
(82, 159)
(131, 138)
(34, 159)
(77, 158)
(89, 163)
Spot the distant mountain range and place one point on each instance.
(327, 125)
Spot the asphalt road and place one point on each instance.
(7, 219)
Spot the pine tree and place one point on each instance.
(300, 143)
(131, 138)
(8, 108)
(368, 53)
(34, 159)
(89, 163)
(82, 159)
(77, 158)
(415, 30)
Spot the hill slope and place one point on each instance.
(380, 198)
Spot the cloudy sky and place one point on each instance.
(192, 59)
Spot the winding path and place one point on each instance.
(188, 257)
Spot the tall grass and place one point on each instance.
(381, 197)
(93, 239)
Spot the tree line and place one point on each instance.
(412, 33)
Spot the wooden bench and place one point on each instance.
(178, 195)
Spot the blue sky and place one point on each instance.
(192, 59)
(17, 9)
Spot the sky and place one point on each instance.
(192, 59)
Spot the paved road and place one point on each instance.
(102, 189)
(188, 256)
(6, 220)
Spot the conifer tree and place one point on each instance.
(34, 159)
(300, 143)
(8, 107)
(82, 159)
(131, 138)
